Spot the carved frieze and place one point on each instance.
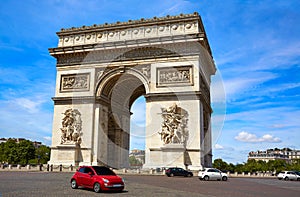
(175, 76)
(174, 126)
(71, 127)
(118, 55)
(75, 82)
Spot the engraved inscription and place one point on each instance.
(75, 82)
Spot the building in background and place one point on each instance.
(285, 154)
(136, 158)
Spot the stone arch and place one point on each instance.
(117, 90)
(103, 70)
(109, 78)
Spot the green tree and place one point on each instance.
(134, 162)
(277, 165)
(262, 166)
(231, 167)
(10, 152)
(2, 157)
(42, 154)
(239, 168)
(295, 164)
(23, 152)
(26, 151)
(220, 164)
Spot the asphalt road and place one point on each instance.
(57, 184)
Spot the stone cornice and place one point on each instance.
(79, 100)
(197, 95)
(87, 54)
(144, 32)
(199, 37)
(130, 23)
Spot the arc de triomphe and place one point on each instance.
(103, 69)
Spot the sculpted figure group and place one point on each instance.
(174, 125)
(71, 127)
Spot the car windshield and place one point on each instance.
(103, 170)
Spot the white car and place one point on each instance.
(212, 174)
(288, 175)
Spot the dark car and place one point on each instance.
(178, 172)
(98, 178)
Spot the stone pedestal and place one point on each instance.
(169, 155)
(67, 154)
(173, 155)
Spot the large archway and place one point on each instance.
(102, 69)
(120, 87)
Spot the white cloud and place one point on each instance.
(252, 138)
(218, 146)
(28, 104)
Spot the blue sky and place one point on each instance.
(255, 44)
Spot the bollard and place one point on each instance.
(151, 171)
(51, 167)
(18, 166)
(47, 167)
(60, 167)
(41, 167)
(28, 167)
(71, 167)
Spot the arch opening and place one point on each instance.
(120, 92)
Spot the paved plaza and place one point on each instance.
(57, 184)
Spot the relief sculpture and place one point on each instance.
(174, 125)
(71, 127)
(175, 76)
(78, 82)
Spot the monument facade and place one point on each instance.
(103, 69)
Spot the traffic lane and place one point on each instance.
(233, 187)
(58, 184)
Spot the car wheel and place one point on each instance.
(206, 178)
(190, 175)
(74, 184)
(286, 178)
(224, 178)
(97, 187)
(171, 174)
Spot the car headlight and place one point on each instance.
(105, 180)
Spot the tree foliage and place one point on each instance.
(23, 152)
(253, 166)
(134, 162)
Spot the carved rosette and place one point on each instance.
(174, 125)
(71, 127)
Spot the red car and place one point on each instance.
(98, 178)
